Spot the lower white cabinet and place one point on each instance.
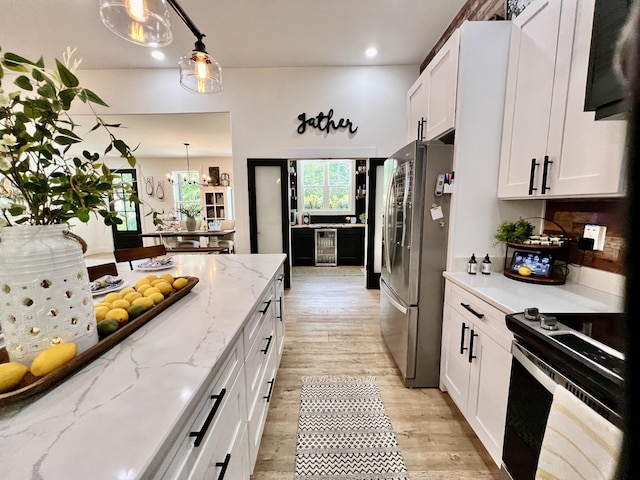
(222, 437)
(476, 364)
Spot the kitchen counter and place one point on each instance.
(511, 296)
(330, 225)
(111, 419)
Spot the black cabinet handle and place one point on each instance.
(266, 349)
(421, 123)
(281, 277)
(532, 175)
(471, 355)
(268, 397)
(266, 307)
(224, 466)
(545, 170)
(462, 347)
(466, 305)
(200, 434)
(279, 317)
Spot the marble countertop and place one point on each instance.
(109, 420)
(512, 296)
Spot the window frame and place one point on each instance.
(350, 210)
(178, 188)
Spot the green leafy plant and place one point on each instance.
(36, 133)
(190, 210)
(513, 232)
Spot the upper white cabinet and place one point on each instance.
(417, 108)
(551, 147)
(441, 77)
(431, 100)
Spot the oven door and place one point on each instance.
(529, 402)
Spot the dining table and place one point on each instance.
(172, 239)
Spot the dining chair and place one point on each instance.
(97, 271)
(138, 253)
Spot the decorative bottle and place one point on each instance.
(485, 269)
(472, 266)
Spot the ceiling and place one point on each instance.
(239, 34)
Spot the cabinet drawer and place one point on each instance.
(263, 312)
(279, 287)
(475, 310)
(225, 398)
(256, 360)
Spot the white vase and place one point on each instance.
(44, 291)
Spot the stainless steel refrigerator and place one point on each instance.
(414, 243)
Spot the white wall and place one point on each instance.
(264, 105)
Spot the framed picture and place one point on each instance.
(214, 175)
(540, 264)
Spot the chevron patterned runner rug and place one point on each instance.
(344, 432)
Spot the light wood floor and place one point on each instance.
(332, 328)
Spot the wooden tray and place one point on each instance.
(31, 385)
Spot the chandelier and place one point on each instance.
(147, 23)
(187, 180)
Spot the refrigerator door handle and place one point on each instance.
(388, 242)
(391, 298)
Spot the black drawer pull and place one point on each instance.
(471, 355)
(534, 164)
(266, 307)
(270, 382)
(266, 349)
(281, 277)
(279, 317)
(462, 347)
(224, 466)
(466, 305)
(203, 431)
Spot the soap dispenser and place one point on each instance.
(472, 266)
(485, 269)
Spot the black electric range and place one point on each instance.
(586, 347)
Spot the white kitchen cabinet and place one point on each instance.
(551, 147)
(442, 80)
(217, 203)
(279, 296)
(476, 364)
(417, 108)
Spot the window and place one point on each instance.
(325, 187)
(186, 191)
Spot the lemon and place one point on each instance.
(102, 304)
(126, 291)
(118, 314)
(112, 297)
(524, 270)
(53, 357)
(101, 312)
(164, 287)
(144, 301)
(143, 287)
(10, 375)
(168, 277)
(130, 297)
(107, 327)
(180, 283)
(142, 281)
(151, 277)
(122, 303)
(150, 291)
(156, 297)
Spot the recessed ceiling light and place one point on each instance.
(371, 52)
(157, 54)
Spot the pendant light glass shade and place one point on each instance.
(200, 73)
(144, 22)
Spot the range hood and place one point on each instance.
(605, 95)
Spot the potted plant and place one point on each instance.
(191, 212)
(513, 232)
(48, 188)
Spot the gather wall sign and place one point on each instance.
(325, 123)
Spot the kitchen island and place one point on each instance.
(129, 413)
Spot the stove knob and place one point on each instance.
(548, 323)
(531, 313)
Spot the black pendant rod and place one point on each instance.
(187, 21)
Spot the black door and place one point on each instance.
(269, 209)
(375, 189)
(126, 234)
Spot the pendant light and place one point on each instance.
(187, 179)
(143, 22)
(147, 22)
